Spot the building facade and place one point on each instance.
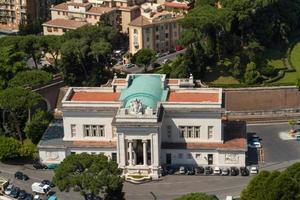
(144, 122)
(13, 12)
(155, 29)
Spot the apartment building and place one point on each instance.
(143, 122)
(156, 29)
(13, 12)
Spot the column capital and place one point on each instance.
(130, 141)
(145, 140)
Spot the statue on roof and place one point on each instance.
(136, 106)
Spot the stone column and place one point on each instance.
(121, 150)
(145, 152)
(130, 152)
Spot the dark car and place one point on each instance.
(37, 165)
(22, 195)
(29, 197)
(15, 192)
(244, 171)
(21, 176)
(208, 170)
(91, 196)
(199, 170)
(190, 171)
(234, 171)
(47, 182)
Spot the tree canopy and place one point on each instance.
(30, 78)
(274, 185)
(90, 174)
(144, 57)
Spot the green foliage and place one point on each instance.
(28, 149)
(144, 57)
(31, 46)
(251, 76)
(176, 69)
(274, 185)
(30, 78)
(90, 173)
(9, 148)
(196, 196)
(35, 128)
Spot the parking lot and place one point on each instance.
(278, 155)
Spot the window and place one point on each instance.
(49, 29)
(86, 130)
(197, 132)
(198, 155)
(167, 35)
(156, 29)
(174, 25)
(73, 130)
(180, 156)
(101, 131)
(147, 30)
(95, 17)
(94, 130)
(114, 157)
(182, 131)
(55, 29)
(157, 37)
(166, 26)
(190, 132)
(64, 30)
(210, 132)
(72, 152)
(58, 13)
(93, 153)
(148, 39)
(189, 156)
(169, 131)
(175, 34)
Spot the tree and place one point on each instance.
(90, 174)
(28, 149)
(144, 57)
(9, 148)
(251, 76)
(51, 44)
(30, 44)
(16, 100)
(196, 196)
(274, 185)
(30, 78)
(35, 128)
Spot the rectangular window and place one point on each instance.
(189, 156)
(101, 131)
(73, 130)
(182, 131)
(49, 29)
(180, 156)
(174, 25)
(157, 37)
(55, 29)
(86, 129)
(190, 132)
(148, 39)
(169, 131)
(210, 132)
(94, 130)
(197, 132)
(167, 35)
(156, 28)
(95, 17)
(72, 152)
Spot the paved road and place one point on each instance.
(278, 155)
(170, 56)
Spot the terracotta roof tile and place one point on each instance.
(102, 144)
(65, 23)
(193, 97)
(99, 10)
(95, 96)
(177, 5)
(119, 81)
(140, 21)
(61, 6)
(172, 81)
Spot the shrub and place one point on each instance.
(9, 148)
(28, 149)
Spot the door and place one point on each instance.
(210, 159)
(168, 158)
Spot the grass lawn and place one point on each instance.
(274, 57)
(217, 76)
(291, 77)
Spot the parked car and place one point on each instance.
(217, 171)
(208, 170)
(22, 195)
(199, 170)
(165, 61)
(190, 171)
(254, 144)
(53, 197)
(47, 182)
(52, 166)
(29, 197)
(90, 196)
(244, 171)
(15, 192)
(37, 165)
(129, 65)
(8, 189)
(253, 170)
(234, 171)
(37, 197)
(225, 172)
(182, 170)
(21, 176)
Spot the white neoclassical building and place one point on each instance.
(143, 122)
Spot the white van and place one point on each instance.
(40, 188)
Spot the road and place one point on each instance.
(278, 155)
(170, 56)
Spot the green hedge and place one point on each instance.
(276, 78)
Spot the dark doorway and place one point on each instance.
(210, 159)
(114, 157)
(168, 158)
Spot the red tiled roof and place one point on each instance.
(172, 81)
(65, 23)
(95, 96)
(103, 144)
(61, 6)
(120, 81)
(99, 10)
(177, 5)
(193, 97)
